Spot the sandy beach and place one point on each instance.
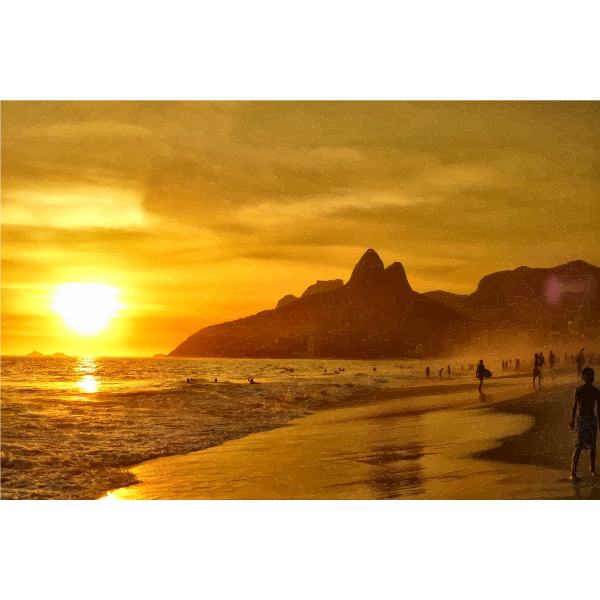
(438, 441)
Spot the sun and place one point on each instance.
(86, 307)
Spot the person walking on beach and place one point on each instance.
(587, 399)
(448, 371)
(542, 360)
(580, 361)
(427, 371)
(537, 372)
(441, 372)
(480, 374)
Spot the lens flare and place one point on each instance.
(86, 307)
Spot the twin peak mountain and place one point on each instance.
(378, 315)
(375, 315)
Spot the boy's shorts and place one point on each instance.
(587, 430)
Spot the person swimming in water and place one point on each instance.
(252, 382)
(216, 381)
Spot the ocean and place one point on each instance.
(71, 427)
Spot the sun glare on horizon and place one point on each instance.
(86, 307)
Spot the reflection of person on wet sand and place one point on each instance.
(536, 369)
(480, 374)
(586, 398)
(448, 371)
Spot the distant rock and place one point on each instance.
(34, 354)
(59, 355)
(286, 300)
(160, 356)
(322, 286)
(375, 315)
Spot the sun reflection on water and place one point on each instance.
(86, 369)
(88, 384)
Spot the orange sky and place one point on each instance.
(201, 212)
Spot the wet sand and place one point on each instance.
(438, 441)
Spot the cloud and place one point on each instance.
(88, 131)
(179, 199)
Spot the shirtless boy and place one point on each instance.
(586, 398)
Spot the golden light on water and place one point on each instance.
(88, 384)
(86, 307)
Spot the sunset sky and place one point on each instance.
(203, 212)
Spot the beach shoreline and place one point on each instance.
(439, 440)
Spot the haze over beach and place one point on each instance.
(161, 258)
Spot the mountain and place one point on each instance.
(59, 355)
(448, 298)
(376, 314)
(34, 354)
(322, 286)
(286, 300)
(535, 298)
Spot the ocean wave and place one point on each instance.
(57, 443)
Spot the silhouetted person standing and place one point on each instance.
(580, 361)
(587, 398)
(537, 372)
(480, 374)
(427, 371)
(551, 361)
(441, 372)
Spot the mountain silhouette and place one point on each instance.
(448, 298)
(529, 298)
(286, 300)
(375, 315)
(320, 286)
